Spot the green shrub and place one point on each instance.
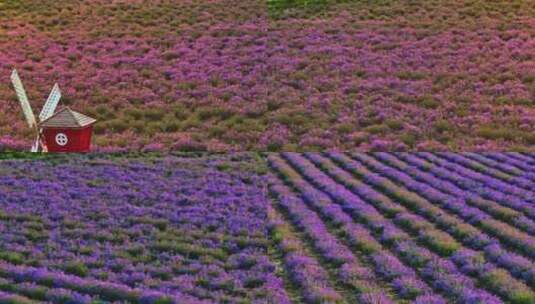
(181, 112)
(168, 125)
(134, 113)
(12, 257)
(377, 129)
(411, 75)
(495, 133)
(394, 124)
(216, 131)
(444, 244)
(429, 102)
(115, 125)
(76, 268)
(170, 56)
(345, 128)
(214, 112)
(442, 126)
(500, 281)
(253, 282)
(34, 235)
(135, 250)
(154, 114)
(164, 300)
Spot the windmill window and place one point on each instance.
(61, 139)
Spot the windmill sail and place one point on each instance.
(35, 146)
(23, 99)
(51, 103)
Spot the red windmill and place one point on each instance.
(67, 131)
(63, 131)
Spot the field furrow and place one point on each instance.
(524, 157)
(446, 182)
(351, 276)
(518, 161)
(439, 243)
(470, 181)
(426, 199)
(491, 177)
(519, 170)
(502, 166)
(305, 272)
(402, 278)
(464, 232)
(442, 242)
(7, 297)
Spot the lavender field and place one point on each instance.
(277, 228)
(162, 230)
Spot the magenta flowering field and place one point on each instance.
(399, 75)
(292, 228)
(164, 75)
(238, 75)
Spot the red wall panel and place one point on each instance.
(78, 140)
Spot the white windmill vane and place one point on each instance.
(48, 109)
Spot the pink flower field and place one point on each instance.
(224, 75)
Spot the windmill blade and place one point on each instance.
(35, 146)
(23, 99)
(40, 144)
(51, 103)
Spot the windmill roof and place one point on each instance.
(67, 118)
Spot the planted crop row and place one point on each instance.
(304, 270)
(401, 277)
(483, 173)
(425, 172)
(351, 274)
(450, 278)
(424, 198)
(513, 165)
(440, 235)
(517, 265)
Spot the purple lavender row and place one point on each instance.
(530, 158)
(514, 159)
(304, 270)
(403, 279)
(490, 188)
(475, 165)
(517, 176)
(493, 164)
(443, 273)
(436, 240)
(468, 180)
(426, 197)
(487, 176)
(527, 169)
(503, 284)
(349, 270)
(105, 290)
(519, 266)
(6, 297)
(446, 181)
(39, 292)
